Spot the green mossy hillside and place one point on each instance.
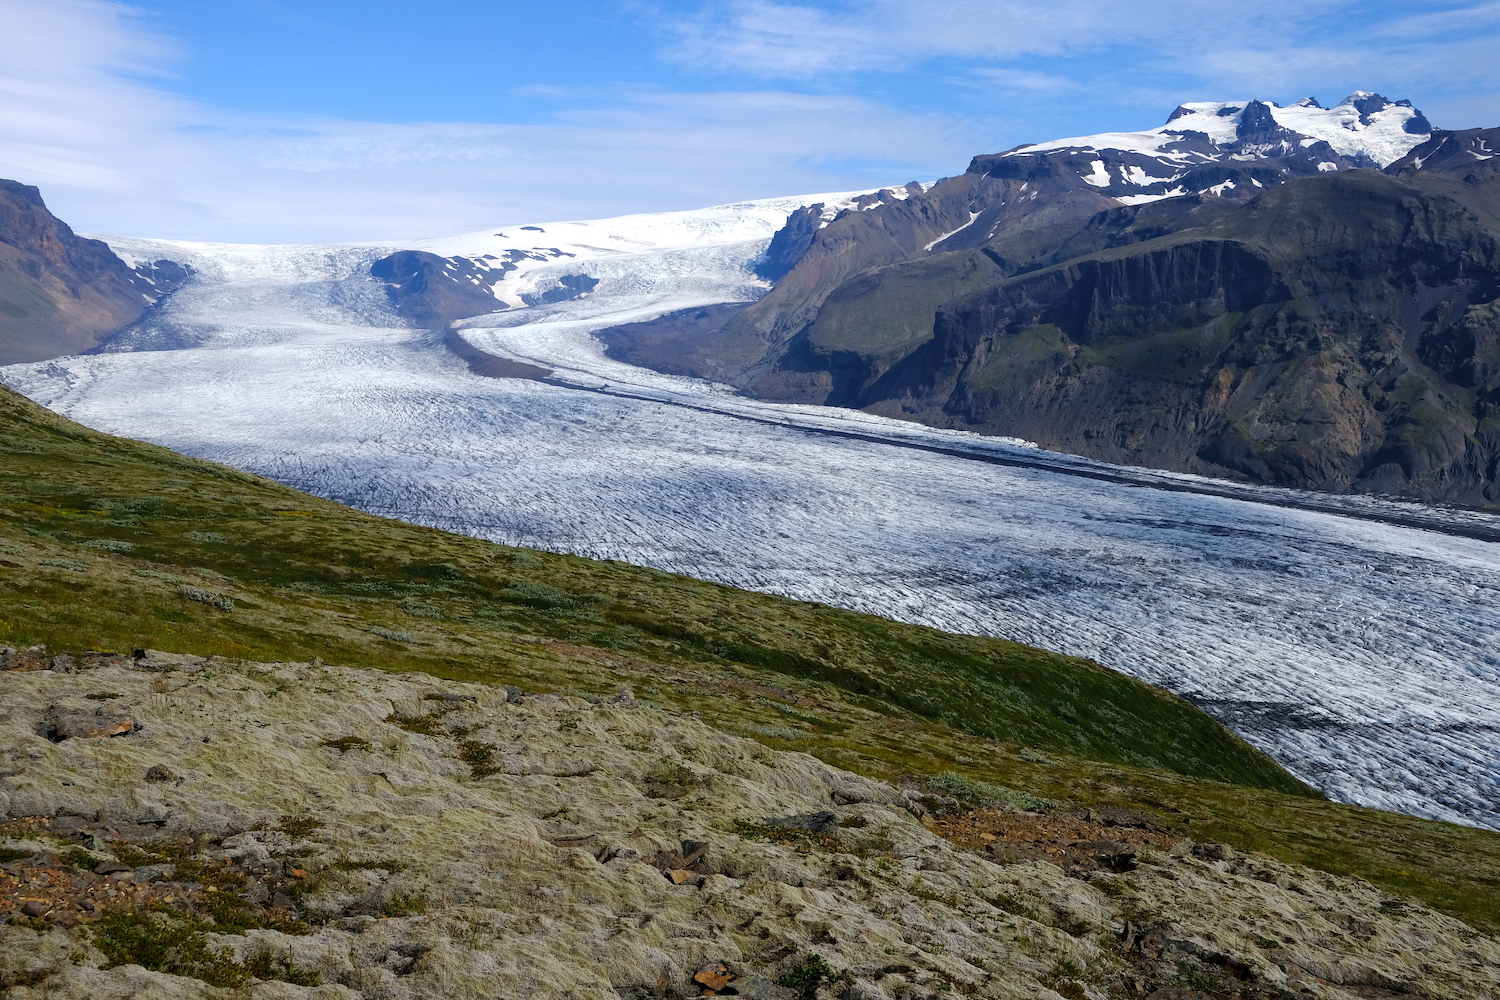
(112, 544)
(181, 554)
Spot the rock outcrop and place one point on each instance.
(305, 831)
(60, 293)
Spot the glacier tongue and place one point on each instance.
(1362, 655)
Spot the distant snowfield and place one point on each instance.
(1363, 656)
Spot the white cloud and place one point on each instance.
(114, 154)
(84, 113)
(1111, 53)
(803, 39)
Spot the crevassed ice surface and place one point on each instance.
(1361, 655)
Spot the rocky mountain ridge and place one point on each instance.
(61, 293)
(1297, 318)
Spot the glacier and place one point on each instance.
(1355, 640)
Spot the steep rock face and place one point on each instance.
(1338, 333)
(59, 293)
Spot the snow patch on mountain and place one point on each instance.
(1364, 126)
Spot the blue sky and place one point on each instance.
(322, 120)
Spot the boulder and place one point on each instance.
(83, 723)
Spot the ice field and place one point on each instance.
(1364, 655)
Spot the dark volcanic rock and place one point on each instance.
(677, 343)
(59, 293)
(790, 243)
(569, 286)
(433, 291)
(1339, 333)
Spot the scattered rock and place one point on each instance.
(514, 695)
(713, 977)
(615, 852)
(159, 772)
(82, 723)
(684, 865)
(625, 697)
(35, 908)
(62, 663)
(25, 660)
(110, 868)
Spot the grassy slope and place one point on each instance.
(98, 535)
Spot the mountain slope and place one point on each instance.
(60, 293)
(371, 579)
(1282, 312)
(106, 543)
(345, 834)
(1229, 149)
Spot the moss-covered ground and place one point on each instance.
(113, 545)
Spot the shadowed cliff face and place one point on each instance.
(1339, 333)
(61, 294)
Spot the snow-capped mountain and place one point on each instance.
(1239, 148)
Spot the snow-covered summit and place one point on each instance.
(1362, 127)
(1232, 149)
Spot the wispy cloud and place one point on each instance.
(789, 39)
(80, 116)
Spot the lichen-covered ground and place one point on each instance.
(301, 830)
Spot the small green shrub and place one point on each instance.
(164, 940)
(425, 725)
(266, 964)
(298, 827)
(404, 905)
(9, 854)
(77, 857)
(480, 757)
(813, 973)
(390, 633)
